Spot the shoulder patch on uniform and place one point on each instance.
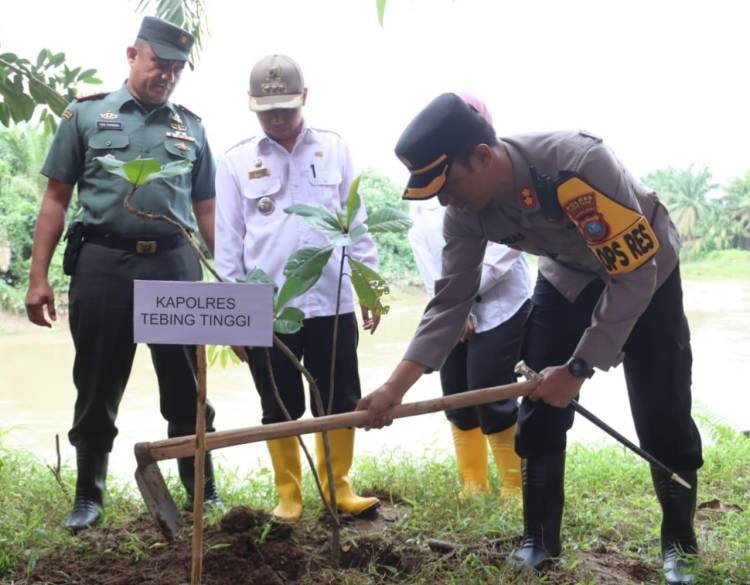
(92, 96)
(621, 238)
(587, 134)
(67, 114)
(323, 130)
(184, 109)
(240, 143)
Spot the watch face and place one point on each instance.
(579, 368)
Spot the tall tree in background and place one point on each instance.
(738, 209)
(685, 192)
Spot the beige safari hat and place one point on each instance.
(276, 82)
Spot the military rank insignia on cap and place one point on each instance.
(448, 125)
(166, 40)
(276, 82)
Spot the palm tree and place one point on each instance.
(685, 192)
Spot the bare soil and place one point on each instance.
(248, 547)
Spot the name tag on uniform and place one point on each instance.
(620, 237)
(108, 125)
(257, 174)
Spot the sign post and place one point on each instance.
(187, 313)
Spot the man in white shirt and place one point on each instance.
(486, 354)
(489, 349)
(290, 163)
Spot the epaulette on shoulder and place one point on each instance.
(92, 96)
(184, 109)
(323, 130)
(240, 143)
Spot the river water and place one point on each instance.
(37, 392)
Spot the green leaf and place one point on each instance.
(4, 115)
(57, 59)
(353, 202)
(369, 286)
(388, 219)
(9, 57)
(380, 5)
(258, 276)
(358, 233)
(307, 261)
(318, 217)
(303, 269)
(112, 165)
(169, 170)
(289, 321)
(138, 171)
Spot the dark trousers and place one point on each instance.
(658, 362)
(101, 323)
(312, 345)
(486, 359)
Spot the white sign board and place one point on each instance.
(200, 313)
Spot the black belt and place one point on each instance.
(139, 245)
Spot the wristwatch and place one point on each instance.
(578, 368)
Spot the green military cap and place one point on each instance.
(167, 40)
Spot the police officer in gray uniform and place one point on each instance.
(113, 247)
(608, 292)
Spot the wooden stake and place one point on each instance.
(200, 459)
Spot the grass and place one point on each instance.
(610, 505)
(733, 264)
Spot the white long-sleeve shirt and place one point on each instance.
(506, 280)
(255, 181)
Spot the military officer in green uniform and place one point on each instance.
(112, 247)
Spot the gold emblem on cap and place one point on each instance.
(109, 116)
(273, 82)
(266, 205)
(183, 40)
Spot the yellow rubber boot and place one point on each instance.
(287, 471)
(471, 457)
(507, 461)
(342, 454)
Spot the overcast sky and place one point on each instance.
(664, 82)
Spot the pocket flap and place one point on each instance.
(324, 176)
(108, 140)
(182, 149)
(263, 187)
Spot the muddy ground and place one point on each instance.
(247, 547)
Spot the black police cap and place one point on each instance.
(447, 126)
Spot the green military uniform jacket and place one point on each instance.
(610, 226)
(117, 125)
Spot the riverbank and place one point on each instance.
(424, 533)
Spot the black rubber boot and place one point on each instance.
(90, 482)
(543, 480)
(677, 534)
(186, 469)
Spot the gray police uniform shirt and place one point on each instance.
(117, 125)
(612, 227)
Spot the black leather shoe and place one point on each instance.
(678, 543)
(543, 489)
(85, 514)
(90, 481)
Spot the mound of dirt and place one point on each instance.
(247, 546)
